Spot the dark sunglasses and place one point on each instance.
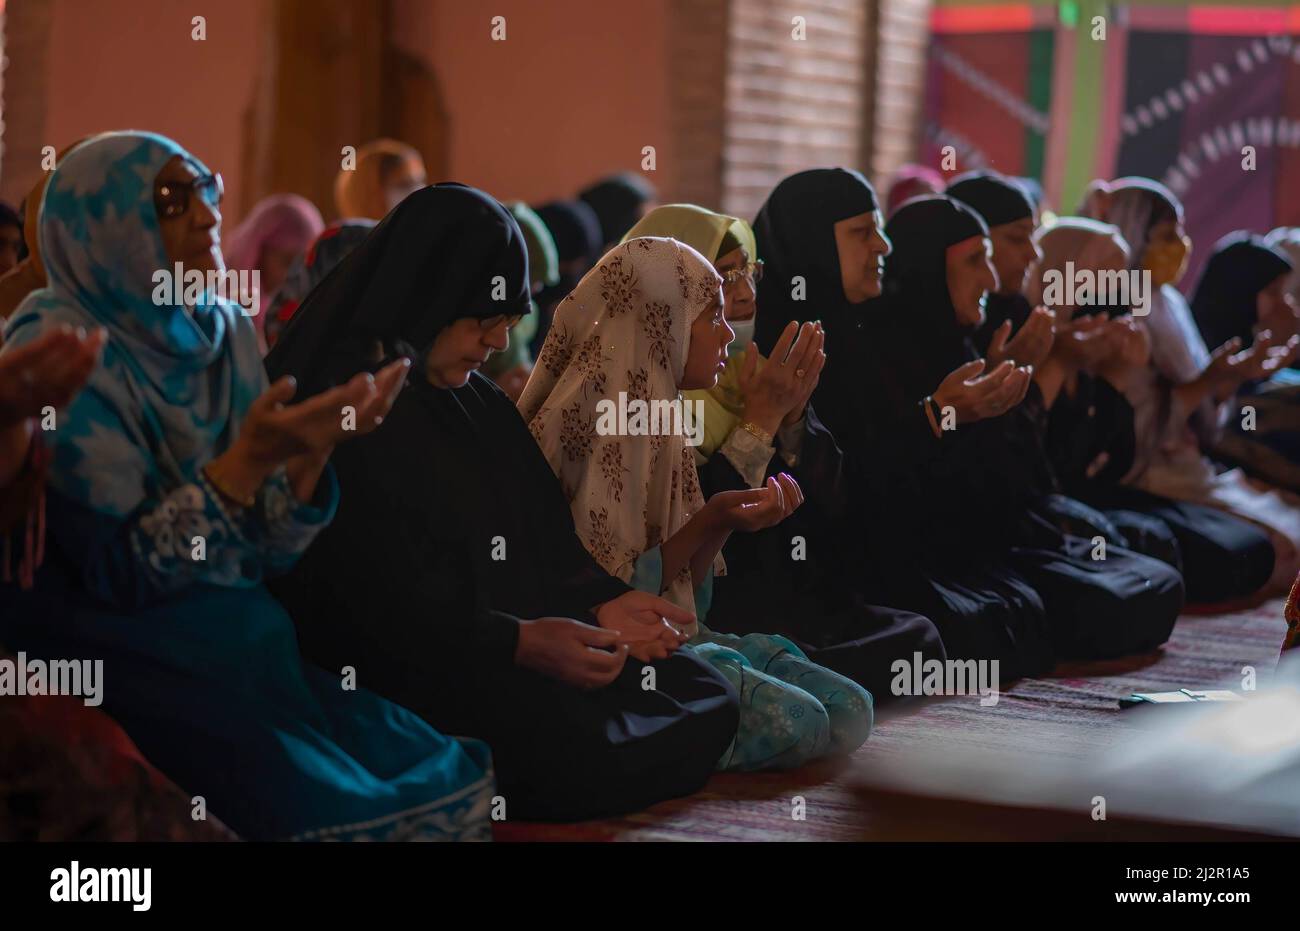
(172, 199)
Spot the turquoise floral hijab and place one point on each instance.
(174, 384)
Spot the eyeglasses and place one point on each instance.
(491, 323)
(172, 198)
(753, 273)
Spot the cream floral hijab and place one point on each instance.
(625, 328)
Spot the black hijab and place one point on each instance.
(438, 256)
(617, 201)
(920, 320)
(1241, 265)
(399, 577)
(989, 472)
(795, 233)
(575, 228)
(997, 199)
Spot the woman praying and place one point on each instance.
(451, 578)
(789, 579)
(646, 323)
(179, 482)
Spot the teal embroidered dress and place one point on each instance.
(152, 572)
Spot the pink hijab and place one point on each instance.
(912, 180)
(281, 221)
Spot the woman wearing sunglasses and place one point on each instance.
(179, 480)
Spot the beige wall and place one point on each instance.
(574, 92)
(131, 64)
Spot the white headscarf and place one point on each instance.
(625, 328)
(1089, 244)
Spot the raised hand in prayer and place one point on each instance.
(1031, 344)
(974, 396)
(757, 508)
(1231, 366)
(1132, 350)
(302, 436)
(780, 387)
(1270, 352)
(645, 623)
(1086, 342)
(579, 654)
(48, 372)
(812, 375)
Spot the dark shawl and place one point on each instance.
(998, 200)
(973, 494)
(883, 356)
(436, 257)
(575, 228)
(403, 583)
(1241, 266)
(617, 201)
(795, 232)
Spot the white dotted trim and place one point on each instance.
(984, 84)
(1227, 141)
(1205, 82)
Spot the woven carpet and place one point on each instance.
(1073, 713)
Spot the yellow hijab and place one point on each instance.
(704, 231)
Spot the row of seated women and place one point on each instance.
(355, 591)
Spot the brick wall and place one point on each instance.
(903, 40)
(792, 104)
(696, 72)
(850, 93)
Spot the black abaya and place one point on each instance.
(403, 586)
(1091, 442)
(971, 536)
(452, 529)
(793, 579)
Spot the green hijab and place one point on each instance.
(543, 256)
(544, 266)
(705, 232)
(702, 230)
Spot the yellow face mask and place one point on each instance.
(1167, 260)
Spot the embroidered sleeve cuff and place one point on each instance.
(789, 439)
(291, 525)
(747, 455)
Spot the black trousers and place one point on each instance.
(1122, 604)
(983, 613)
(840, 631)
(1037, 606)
(1224, 557)
(567, 754)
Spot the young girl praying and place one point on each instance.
(648, 321)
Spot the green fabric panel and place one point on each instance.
(1042, 42)
(1085, 115)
